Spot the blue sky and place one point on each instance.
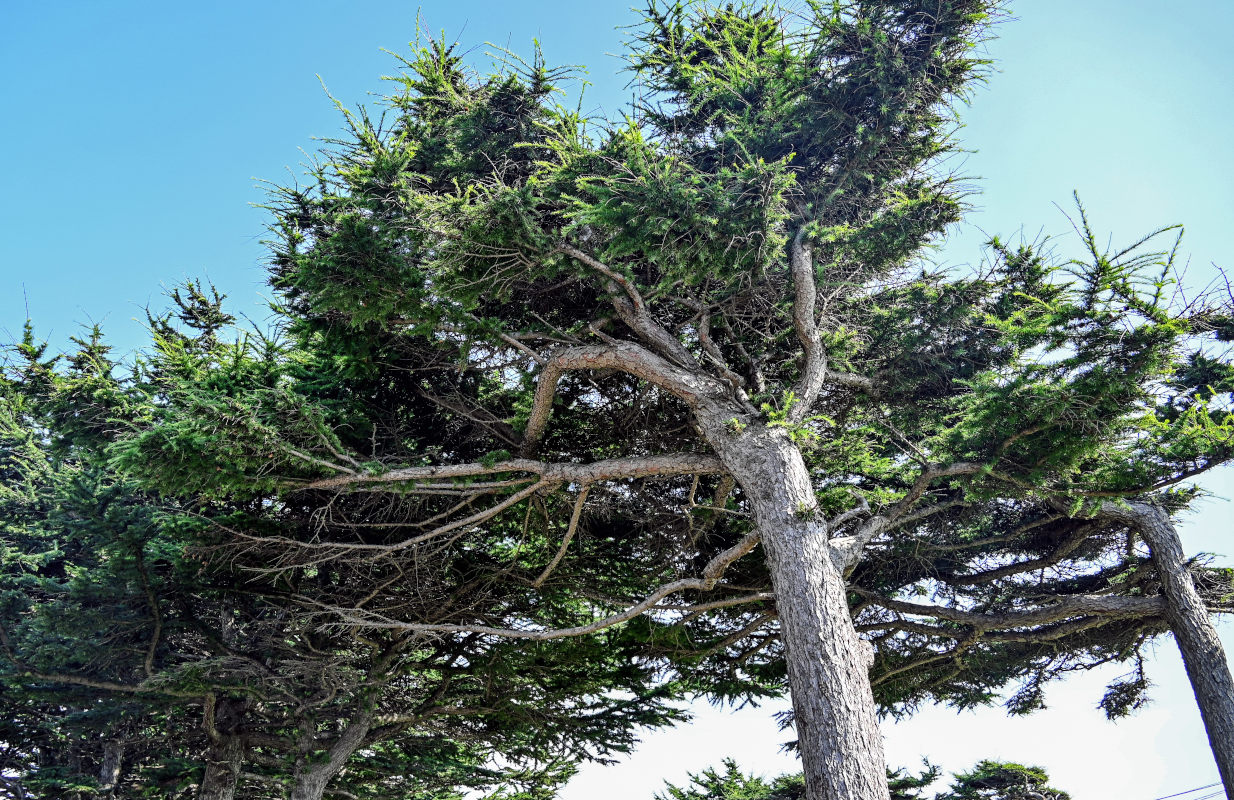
(135, 131)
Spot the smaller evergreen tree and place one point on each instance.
(988, 780)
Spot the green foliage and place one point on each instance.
(993, 780)
(425, 277)
(801, 432)
(733, 784)
(234, 517)
(1002, 781)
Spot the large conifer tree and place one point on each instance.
(689, 371)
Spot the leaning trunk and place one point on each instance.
(1196, 637)
(839, 740)
(311, 781)
(828, 668)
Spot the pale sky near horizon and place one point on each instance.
(134, 132)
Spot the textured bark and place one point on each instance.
(109, 769)
(311, 780)
(223, 760)
(1196, 637)
(828, 664)
(225, 755)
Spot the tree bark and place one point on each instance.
(1195, 635)
(109, 769)
(828, 664)
(311, 781)
(223, 760)
(225, 755)
(839, 740)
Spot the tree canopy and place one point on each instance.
(988, 780)
(678, 403)
(138, 664)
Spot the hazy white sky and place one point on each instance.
(135, 129)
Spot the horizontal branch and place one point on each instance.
(1099, 605)
(108, 686)
(710, 577)
(608, 469)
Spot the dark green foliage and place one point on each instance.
(117, 624)
(429, 269)
(1002, 781)
(991, 780)
(355, 506)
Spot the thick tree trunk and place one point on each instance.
(828, 664)
(223, 760)
(225, 755)
(109, 769)
(311, 780)
(828, 668)
(1196, 637)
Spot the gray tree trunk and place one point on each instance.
(310, 781)
(225, 755)
(109, 770)
(1196, 637)
(223, 760)
(840, 743)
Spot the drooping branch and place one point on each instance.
(711, 575)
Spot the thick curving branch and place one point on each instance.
(693, 387)
(805, 300)
(814, 372)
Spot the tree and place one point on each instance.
(992, 780)
(591, 367)
(135, 665)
